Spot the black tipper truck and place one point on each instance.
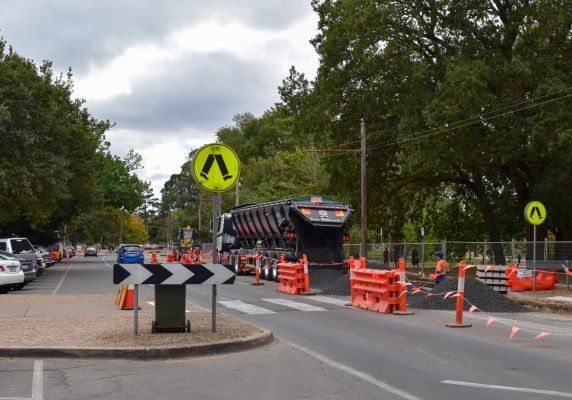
(313, 225)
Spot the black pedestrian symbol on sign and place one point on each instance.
(221, 165)
(535, 210)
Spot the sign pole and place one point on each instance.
(215, 258)
(363, 245)
(534, 259)
(136, 310)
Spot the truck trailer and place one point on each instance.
(259, 234)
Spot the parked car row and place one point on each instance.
(21, 262)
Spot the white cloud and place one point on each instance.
(168, 73)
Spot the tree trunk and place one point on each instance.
(563, 250)
(490, 222)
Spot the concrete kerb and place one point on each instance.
(143, 353)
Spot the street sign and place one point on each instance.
(535, 213)
(216, 167)
(172, 274)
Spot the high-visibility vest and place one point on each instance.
(441, 266)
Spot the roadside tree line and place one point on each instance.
(56, 170)
(468, 112)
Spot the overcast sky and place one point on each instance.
(168, 73)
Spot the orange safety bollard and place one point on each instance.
(257, 269)
(306, 274)
(402, 302)
(154, 257)
(460, 299)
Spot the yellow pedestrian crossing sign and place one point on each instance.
(535, 212)
(216, 167)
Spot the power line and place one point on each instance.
(446, 128)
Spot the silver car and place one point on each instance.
(11, 274)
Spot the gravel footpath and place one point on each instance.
(110, 329)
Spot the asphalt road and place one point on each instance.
(324, 350)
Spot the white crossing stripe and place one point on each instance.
(294, 304)
(245, 308)
(330, 300)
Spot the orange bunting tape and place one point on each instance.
(513, 332)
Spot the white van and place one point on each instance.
(23, 249)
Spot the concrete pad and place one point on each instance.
(13, 310)
(560, 298)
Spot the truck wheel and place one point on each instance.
(266, 265)
(270, 271)
(236, 263)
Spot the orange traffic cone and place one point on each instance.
(129, 300)
(154, 257)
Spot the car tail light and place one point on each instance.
(346, 237)
(2, 268)
(291, 235)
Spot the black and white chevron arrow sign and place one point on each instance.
(172, 274)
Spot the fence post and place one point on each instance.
(545, 249)
(444, 247)
(513, 250)
(484, 252)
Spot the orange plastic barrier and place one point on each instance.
(545, 280)
(293, 277)
(375, 290)
(401, 308)
(170, 258)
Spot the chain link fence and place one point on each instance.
(522, 252)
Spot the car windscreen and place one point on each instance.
(129, 249)
(21, 246)
(8, 256)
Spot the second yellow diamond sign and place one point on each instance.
(216, 167)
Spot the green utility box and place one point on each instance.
(170, 309)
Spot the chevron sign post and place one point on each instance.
(171, 274)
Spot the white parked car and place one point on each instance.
(11, 275)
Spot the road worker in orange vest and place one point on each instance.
(441, 268)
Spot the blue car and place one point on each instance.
(130, 254)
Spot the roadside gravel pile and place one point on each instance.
(479, 294)
(322, 279)
(340, 287)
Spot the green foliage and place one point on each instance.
(54, 163)
(452, 95)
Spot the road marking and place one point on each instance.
(352, 371)
(294, 304)
(38, 381)
(62, 280)
(245, 308)
(15, 398)
(509, 388)
(330, 300)
(103, 259)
